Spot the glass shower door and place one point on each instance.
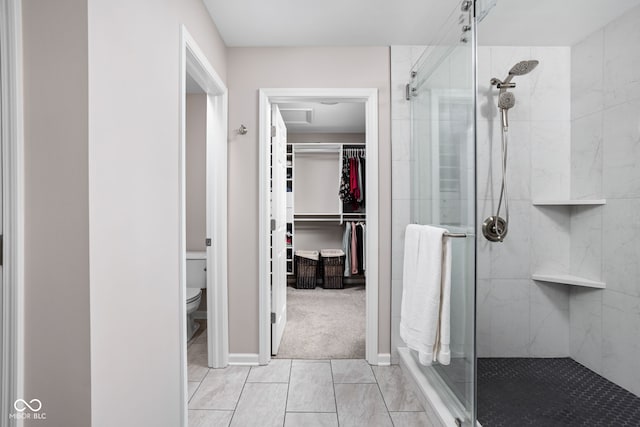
(442, 96)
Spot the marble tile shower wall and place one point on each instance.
(516, 316)
(605, 154)
(402, 58)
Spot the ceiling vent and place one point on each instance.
(297, 116)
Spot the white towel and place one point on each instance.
(426, 289)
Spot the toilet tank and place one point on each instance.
(196, 270)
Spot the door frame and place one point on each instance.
(194, 62)
(12, 146)
(368, 96)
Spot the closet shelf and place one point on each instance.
(570, 202)
(329, 217)
(316, 217)
(569, 279)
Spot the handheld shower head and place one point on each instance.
(506, 100)
(523, 67)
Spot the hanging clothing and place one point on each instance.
(364, 246)
(363, 175)
(354, 247)
(346, 247)
(352, 179)
(354, 250)
(355, 190)
(345, 182)
(360, 187)
(359, 247)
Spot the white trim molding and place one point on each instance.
(370, 98)
(384, 359)
(244, 359)
(12, 146)
(194, 63)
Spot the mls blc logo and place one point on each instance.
(28, 410)
(21, 405)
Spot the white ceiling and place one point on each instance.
(405, 22)
(328, 22)
(548, 22)
(345, 117)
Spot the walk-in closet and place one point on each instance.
(326, 230)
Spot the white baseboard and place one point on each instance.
(244, 359)
(384, 359)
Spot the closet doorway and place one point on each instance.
(316, 193)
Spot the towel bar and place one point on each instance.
(455, 234)
(452, 234)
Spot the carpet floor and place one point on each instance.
(324, 324)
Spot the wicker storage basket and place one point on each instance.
(333, 268)
(306, 269)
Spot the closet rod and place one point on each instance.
(316, 220)
(317, 150)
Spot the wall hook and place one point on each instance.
(242, 130)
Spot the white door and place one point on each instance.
(279, 228)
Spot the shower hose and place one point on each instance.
(503, 188)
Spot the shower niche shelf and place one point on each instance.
(570, 202)
(569, 279)
(569, 210)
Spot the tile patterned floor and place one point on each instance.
(549, 393)
(300, 393)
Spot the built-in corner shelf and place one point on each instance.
(570, 202)
(569, 279)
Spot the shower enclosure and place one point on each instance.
(442, 96)
(545, 319)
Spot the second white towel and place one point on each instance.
(425, 312)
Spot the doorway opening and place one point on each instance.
(318, 305)
(203, 219)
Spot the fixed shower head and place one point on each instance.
(523, 67)
(520, 69)
(506, 100)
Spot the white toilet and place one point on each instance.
(196, 281)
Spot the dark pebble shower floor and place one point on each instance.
(550, 392)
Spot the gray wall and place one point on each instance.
(249, 70)
(134, 158)
(196, 164)
(56, 315)
(605, 150)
